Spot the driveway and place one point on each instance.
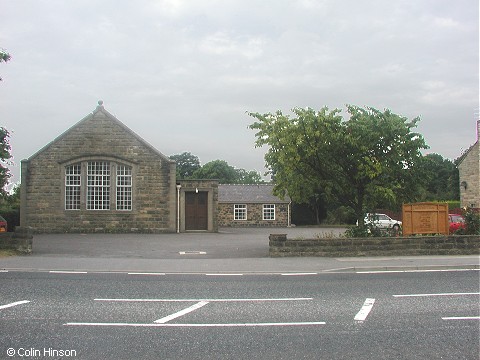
(227, 243)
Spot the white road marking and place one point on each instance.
(199, 300)
(224, 274)
(14, 304)
(145, 273)
(413, 271)
(462, 318)
(200, 325)
(2, 271)
(298, 274)
(66, 272)
(192, 252)
(440, 294)
(365, 310)
(181, 312)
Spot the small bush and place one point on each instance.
(472, 221)
(12, 216)
(369, 230)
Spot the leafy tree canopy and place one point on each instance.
(4, 57)
(187, 164)
(188, 167)
(217, 169)
(248, 177)
(440, 178)
(360, 162)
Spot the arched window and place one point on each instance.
(97, 181)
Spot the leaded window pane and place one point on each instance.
(72, 187)
(98, 185)
(124, 187)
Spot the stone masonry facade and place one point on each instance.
(469, 172)
(202, 185)
(254, 216)
(99, 137)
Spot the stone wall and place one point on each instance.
(19, 241)
(280, 246)
(254, 216)
(98, 137)
(469, 172)
(209, 186)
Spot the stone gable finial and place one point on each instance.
(100, 103)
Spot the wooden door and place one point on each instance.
(196, 210)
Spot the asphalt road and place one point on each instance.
(418, 315)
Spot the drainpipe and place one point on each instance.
(289, 219)
(178, 207)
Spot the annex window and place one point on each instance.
(269, 212)
(98, 185)
(124, 187)
(239, 212)
(73, 183)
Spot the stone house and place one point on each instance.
(99, 176)
(468, 168)
(252, 205)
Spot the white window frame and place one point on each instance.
(98, 185)
(240, 212)
(124, 187)
(73, 186)
(268, 211)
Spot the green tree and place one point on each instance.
(187, 164)
(440, 178)
(248, 177)
(369, 159)
(5, 157)
(4, 57)
(219, 170)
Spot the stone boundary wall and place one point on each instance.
(19, 241)
(280, 246)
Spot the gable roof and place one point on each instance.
(100, 111)
(255, 193)
(476, 145)
(465, 154)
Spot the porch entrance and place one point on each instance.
(196, 210)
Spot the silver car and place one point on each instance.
(382, 221)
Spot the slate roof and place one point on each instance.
(255, 193)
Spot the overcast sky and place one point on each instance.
(183, 74)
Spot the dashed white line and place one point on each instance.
(461, 318)
(181, 312)
(440, 294)
(365, 310)
(66, 272)
(298, 274)
(146, 273)
(313, 323)
(223, 274)
(199, 300)
(14, 304)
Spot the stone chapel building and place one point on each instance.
(99, 176)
